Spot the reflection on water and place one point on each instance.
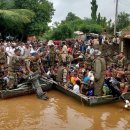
(60, 113)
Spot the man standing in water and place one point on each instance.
(99, 68)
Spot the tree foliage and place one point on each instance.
(94, 8)
(91, 28)
(71, 17)
(99, 18)
(62, 32)
(123, 20)
(14, 20)
(43, 11)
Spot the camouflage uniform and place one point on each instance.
(52, 56)
(122, 62)
(16, 66)
(3, 62)
(69, 58)
(35, 65)
(99, 69)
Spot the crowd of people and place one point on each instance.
(91, 67)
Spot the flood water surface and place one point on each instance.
(61, 113)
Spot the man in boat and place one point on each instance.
(16, 69)
(99, 69)
(116, 88)
(127, 84)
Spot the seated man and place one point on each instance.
(87, 87)
(76, 87)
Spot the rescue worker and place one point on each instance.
(3, 62)
(16, 69)
(52, 55)
(122, 61)
(70, 56)
(99, 69)
(35, 63)
(64, 52)
(61, 76)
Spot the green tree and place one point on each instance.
(94, 8)
(6, 4)
(103, 22)
(123, 20)
(91, 28)
(109, 23)
(99, 18)
(71, 17)
(62, 32)
(43, 10)
(14, 20)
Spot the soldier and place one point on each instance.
(122, 61)
(35, 63)
(58, 57)
(70, 56)
(115, 58)
(108, 60)
(3, 58)
(99, 69)
(52, 55)
(16, 69)
(64, 52)
(61, 76)
(3, 63)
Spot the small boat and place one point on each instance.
(90, 100)
(24, 89)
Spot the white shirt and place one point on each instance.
(91, 76)
(27, 52)
(76, 88)
(10, 51)
(65, 49)
(91, 51)
(22, 50)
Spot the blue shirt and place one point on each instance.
(86, 79)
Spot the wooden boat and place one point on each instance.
(90, 100)
(24, 89)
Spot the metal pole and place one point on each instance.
(116, 15)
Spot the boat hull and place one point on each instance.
(24, 90)
(90, 100)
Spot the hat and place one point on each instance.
(50, 43)
(97, 52)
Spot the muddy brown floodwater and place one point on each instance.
(61, 113)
